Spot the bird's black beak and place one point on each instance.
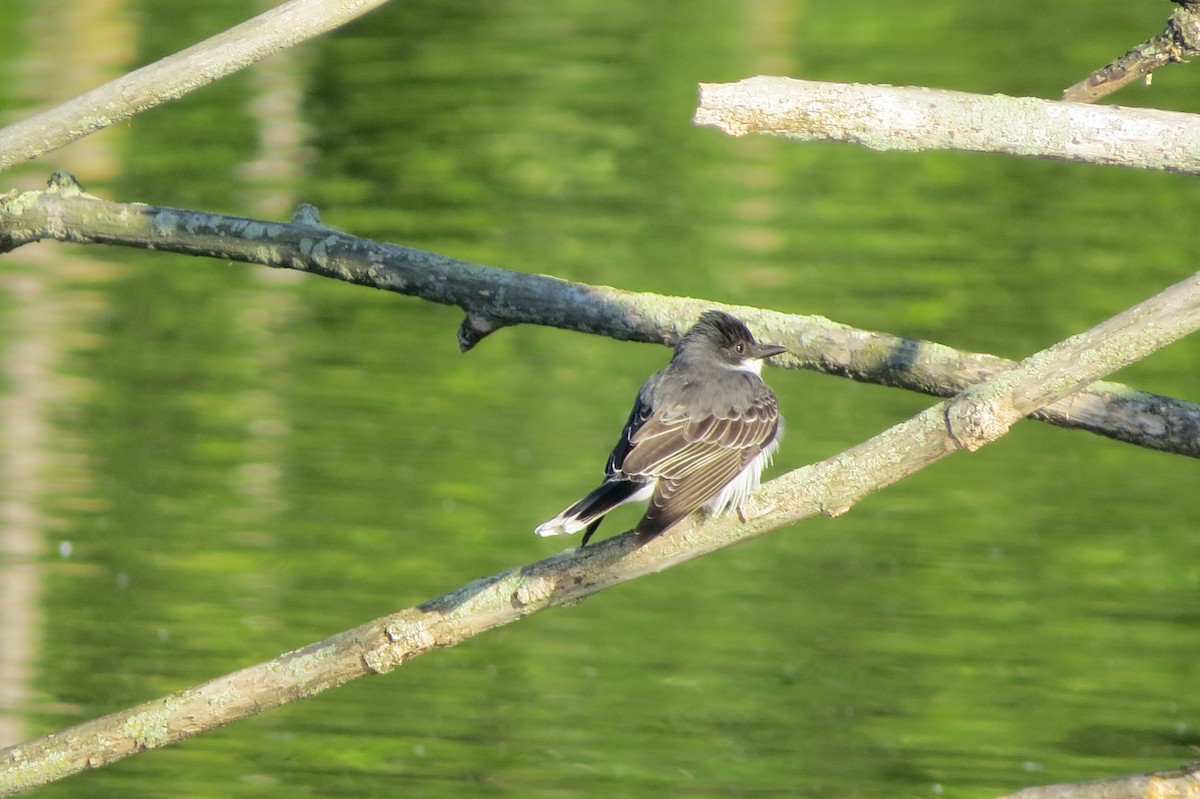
(767, 350)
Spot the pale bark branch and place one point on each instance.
(174, 76)
(977, 416)
(493, 298)
(909, 118)
(1180, 783)
(1179, 41)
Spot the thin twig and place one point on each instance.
(1179, 41)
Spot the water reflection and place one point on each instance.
(260, 463)
(48, 305)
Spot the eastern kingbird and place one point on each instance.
(700, 434)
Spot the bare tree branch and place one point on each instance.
(174, 76)
(908, 118)
(974, 418)
(1181, 783)
(1180, 40)
(493, 298)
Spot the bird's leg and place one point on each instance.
(591, 528)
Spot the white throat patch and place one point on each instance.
(751, 365)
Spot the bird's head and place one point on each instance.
(726, 339)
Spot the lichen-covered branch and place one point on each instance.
(493, 298)
(1179, 41)
(970, 420)
(909, 118)
(1180, 783)
(174, 76)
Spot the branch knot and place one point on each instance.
(972, 423)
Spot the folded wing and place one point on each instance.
(693, 458)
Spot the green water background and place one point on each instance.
(233, 463)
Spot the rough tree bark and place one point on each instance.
(912, 118)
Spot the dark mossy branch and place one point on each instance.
(493, 298)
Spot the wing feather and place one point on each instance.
(692, 459)
(642, 411)
(673, 447)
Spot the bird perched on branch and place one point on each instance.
(700, 434)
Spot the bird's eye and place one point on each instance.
(740, 347)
